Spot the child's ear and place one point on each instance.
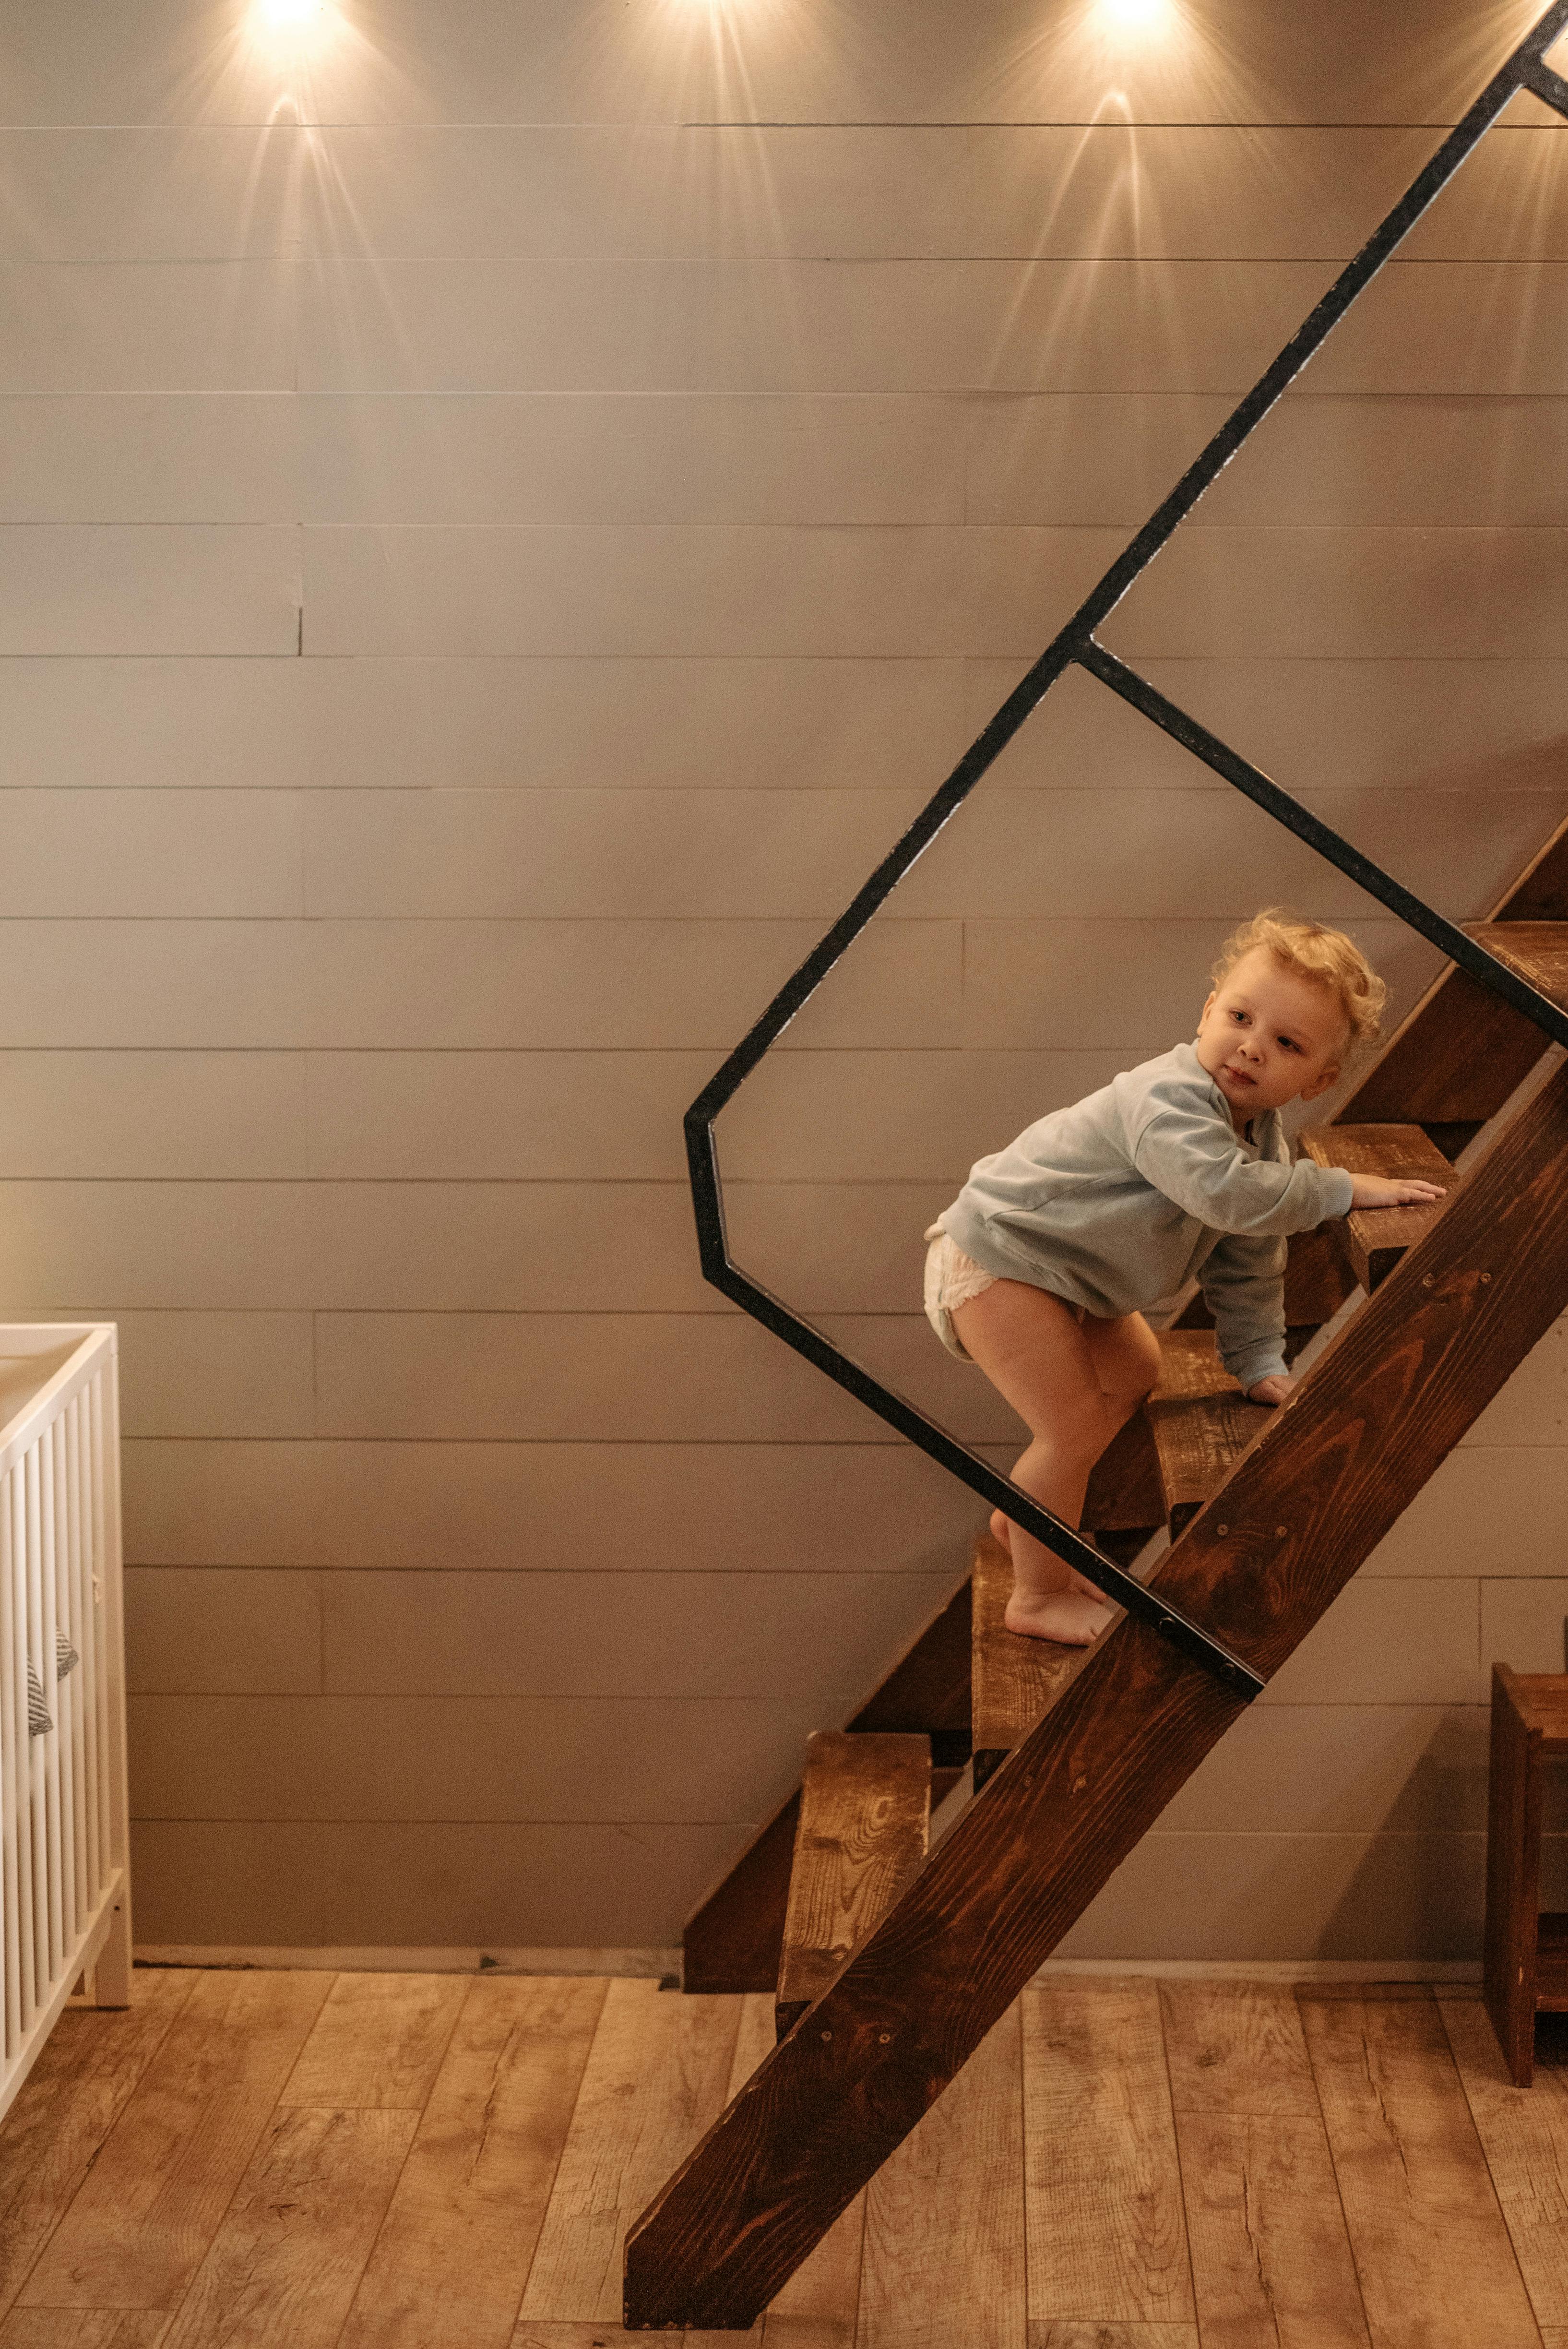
(1319, 1084)
(1207, 1008)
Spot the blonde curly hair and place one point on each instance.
(1325, 956)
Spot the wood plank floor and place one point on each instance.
(408, 2161)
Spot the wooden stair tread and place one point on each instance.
(1374, 1239)
(1538, 951)
(865, 1806)
(1012, 1680)
(1201, 1421)
(1541, 1699)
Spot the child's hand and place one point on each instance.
(1272, 1390)
(1392, 1191)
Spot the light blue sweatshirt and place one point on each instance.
(1120, 1201)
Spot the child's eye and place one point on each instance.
(1288, 1045)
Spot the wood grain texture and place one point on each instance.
(1455, 1061)
(1431, 2248)
(1323, 1482)
(83, 2328)
(1201, 1420)
(1383, 1407)
(140, 2225)
(82, 2081)
(1013, 1681)
(1460, 1053)
(655, 2080)
(865, 1804)
(944, 2237)
(1374, 1239)
(455, 2247)
(1271, 2258)
(1108, 2240)
(378, 2040)
(1072, 2332)
(818, 2307)
(1236, 2047)
(1538, 951)
(1541, 1701)
(732, 1942)
(1513, 1875)
(293, 2242)
(1524, 2136)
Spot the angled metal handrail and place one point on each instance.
(1076, 646)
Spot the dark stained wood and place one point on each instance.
(1541, 892)
(865, 1805)
(1456, 1058)
(1513, 1876)
(1538, 951)
(1374, 1239)
(1460, 1052)
(927, 1690)
(1551, 1962)
(1201, 1422)
(1541, 1701)
(733, 1941)
(1328, 1476)
(1316, 1284)
(1123, 1493)
(1014, 1680)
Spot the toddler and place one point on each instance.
(1042, 1270)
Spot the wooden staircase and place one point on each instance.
(890, 1966)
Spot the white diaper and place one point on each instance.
(951, 1279)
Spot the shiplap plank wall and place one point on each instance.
(492, 549)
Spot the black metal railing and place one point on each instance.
(1076, 646)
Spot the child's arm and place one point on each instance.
(1243, 1280)
(1392, 1191)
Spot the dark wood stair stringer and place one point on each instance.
(1308, 1503)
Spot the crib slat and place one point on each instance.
(11, 1779)
(36, 1790)
(87, 1618)
(73, 1842)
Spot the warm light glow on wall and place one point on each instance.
(290, 28)
(1136, 16)
(289, 15)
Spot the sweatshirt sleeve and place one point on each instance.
(1243, 1284)
(1187, 1155)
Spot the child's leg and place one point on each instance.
(1037, 1354)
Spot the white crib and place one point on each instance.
(63, 1813)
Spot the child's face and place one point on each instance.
(1269, 1036)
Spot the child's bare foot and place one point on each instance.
(1067, 1617)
